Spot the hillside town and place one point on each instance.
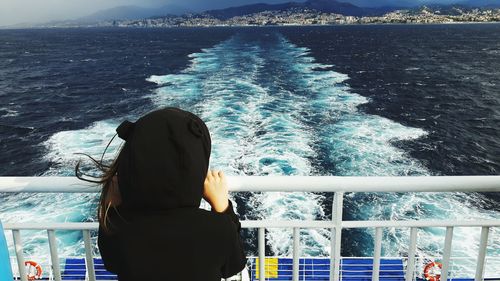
(427, 15)
(300, 16)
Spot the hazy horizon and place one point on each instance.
(14, 12)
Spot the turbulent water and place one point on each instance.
(277, 101)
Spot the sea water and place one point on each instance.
(340, 100)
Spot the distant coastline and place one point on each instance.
(307, 17)
(296, 17)
(250, 26)
(297, 25)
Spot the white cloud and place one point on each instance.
(32, 11)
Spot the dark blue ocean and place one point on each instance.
(400, 100)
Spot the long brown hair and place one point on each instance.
(106, 182)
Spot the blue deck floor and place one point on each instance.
(74, 269)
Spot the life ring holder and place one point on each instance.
(38, 269)
(432, 276)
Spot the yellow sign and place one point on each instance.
(271, 267)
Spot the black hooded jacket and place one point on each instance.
(159, 232)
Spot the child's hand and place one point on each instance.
(215, 191)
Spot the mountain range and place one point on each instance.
(134, 12)
(343, 8)
(325, 6)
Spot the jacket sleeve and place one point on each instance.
(236, 257)
(109, 249)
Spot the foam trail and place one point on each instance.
(253, 127)
(63, 147)
(277, 94)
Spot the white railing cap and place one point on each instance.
(285, 184)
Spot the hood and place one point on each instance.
(164, 160)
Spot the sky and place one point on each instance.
(36, 11)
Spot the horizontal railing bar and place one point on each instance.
(280, 224)
(365, 265)
(13, 259)
(285, 224)
(421, 223)
(327, 270)
(495, 258)
(368, 257)
(289, 272)
(286, 183)
(53, 226)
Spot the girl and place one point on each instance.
(150, 224)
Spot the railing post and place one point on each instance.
(262, 254)
(89, 260)
(56, 269)
(447, 253)
(336, 236)
(296, 253)
(410, 266)
(18, 245)
(482, 253)
(377, 249)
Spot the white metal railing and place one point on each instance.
(339, 185)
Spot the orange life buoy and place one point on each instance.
(38, 268)
(429, 273)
